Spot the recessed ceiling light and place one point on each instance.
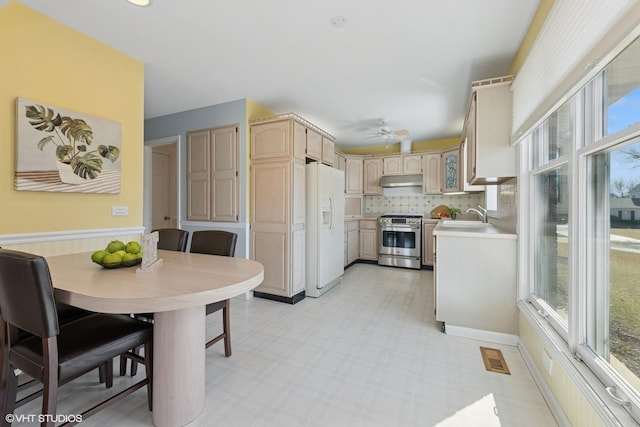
(142, 3)
(338, 21)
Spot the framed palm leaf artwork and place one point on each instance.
(63, 150)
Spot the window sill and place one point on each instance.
(585, 381)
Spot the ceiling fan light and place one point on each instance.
(141, 3)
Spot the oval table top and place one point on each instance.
(182, 280)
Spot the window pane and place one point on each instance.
(560, 133)
(551, 273)
(613, 300)
(623, 90)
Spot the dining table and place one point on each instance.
(176, 290)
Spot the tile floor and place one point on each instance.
(367, 353)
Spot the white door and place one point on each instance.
(163, 199)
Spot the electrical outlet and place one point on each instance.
(547, 362)
(119, 210)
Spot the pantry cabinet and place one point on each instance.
(212, 174)
(372, 172)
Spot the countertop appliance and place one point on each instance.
(400, 240)
(324, 228)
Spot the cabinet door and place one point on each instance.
(198, 176)
(339, 162)
(299, 141)
(328, 148)
(471, 139)
(451, 171)
(431, 177)
(427, 243)
(270, 229)
(269, 140)
(412, 164)
(372, 173)
(314, 145)
(298, 193)
(392, 165)
(353, 176)
(368, 244)
(353, 246)
(224, 174)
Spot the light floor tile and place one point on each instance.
(367, 353)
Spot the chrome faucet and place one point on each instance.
(482, 213)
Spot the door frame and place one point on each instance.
(147, 186)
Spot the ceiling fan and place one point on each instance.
(386, 132)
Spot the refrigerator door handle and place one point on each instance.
(333, 213)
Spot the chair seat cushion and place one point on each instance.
(83, 345)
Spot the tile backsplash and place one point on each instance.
(418, 203)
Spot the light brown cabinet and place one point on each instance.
(451, 171)
(339, 162)
(328, 150)
(372, 171)
(427, 241)
(212, 174)
(352, 231)
(392, 165)
(369, 239)
(431, 176)
(314, 145)
(353, 175)
(491, 158)
(411, 164)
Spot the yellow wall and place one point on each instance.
(435, 144)
(53, 64)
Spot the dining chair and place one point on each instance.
(52, 352)
(172, 239)
(217, 242)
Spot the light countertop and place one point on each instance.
(473, 229)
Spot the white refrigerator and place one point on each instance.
(324, 226)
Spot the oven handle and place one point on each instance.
(399, 228)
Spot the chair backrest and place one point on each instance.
(172, 239)
(26, 293)
(213, 242)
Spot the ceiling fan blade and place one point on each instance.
(401, 133)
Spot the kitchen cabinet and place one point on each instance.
(427, 241)
(352, 230)
(392, 165)
(450, 174)
(432, 176)
(283, 138)
(212, 174)
(328, 149)
(353, 175)
(314, 145)
(372, 171)
(353, 206)
(411, 164)
(369, 239)
(339, 162)
(464, 179)
(487, 130)
(479, 300)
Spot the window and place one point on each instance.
(584, 192)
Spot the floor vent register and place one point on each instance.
(494, 361)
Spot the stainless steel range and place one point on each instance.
(400, 240)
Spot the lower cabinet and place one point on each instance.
(427, 241)
(369, 239)
(352, 232)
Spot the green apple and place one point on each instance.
(112, 259)
(97, 256)
(133, 247)
(115, 245)
(129, 259)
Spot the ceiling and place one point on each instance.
(409, 62)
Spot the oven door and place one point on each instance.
(400, 240)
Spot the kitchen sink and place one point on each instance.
(464, 224)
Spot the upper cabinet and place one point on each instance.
(406, 164)
(490, 157)
(339, 161)
(271, 138)
(353, 176)
(212, 174)
(392, 165)
(431, 178)
(371, 176)
(451, 171)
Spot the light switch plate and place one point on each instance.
(119, 210)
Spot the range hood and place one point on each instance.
(395, 181)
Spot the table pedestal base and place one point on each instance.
(178, 358)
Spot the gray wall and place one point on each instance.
(228, 113)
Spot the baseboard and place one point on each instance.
(289, 300)
(482, 335)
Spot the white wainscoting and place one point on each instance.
(68, 242)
